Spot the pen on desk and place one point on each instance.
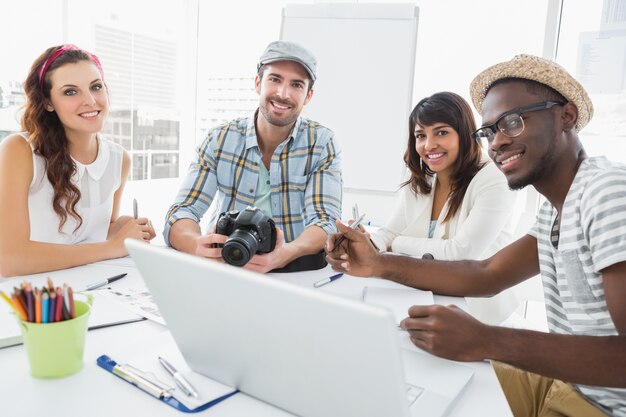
(135, 209)
(352, 226)
(140, 382)
(328, 280)
(104, 282)
(182, 383)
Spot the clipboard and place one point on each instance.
(106, 363)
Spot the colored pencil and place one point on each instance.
(70, 295)
(18, 307)
(52, 310)
(12, 304)
(45, 308)
(7, 299)
(58, 315)
(66, 303)
(30, 301)
(37, 305)
(22, 299)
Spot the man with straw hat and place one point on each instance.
(532, 111)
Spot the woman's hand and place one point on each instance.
(127, 227)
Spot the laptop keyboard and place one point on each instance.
(413, 393)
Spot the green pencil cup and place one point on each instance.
(55, 350)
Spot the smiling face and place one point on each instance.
(79, 98)
(530, 157)
(283, 92)
(438, 146)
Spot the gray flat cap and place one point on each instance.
(289, 51)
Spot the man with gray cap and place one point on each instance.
(287, 166)
(532, 112)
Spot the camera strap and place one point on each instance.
(305, 263)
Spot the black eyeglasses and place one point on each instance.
(511, 123)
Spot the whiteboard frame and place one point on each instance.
(382, 168)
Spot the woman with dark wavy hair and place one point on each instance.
(455, 203)
(60, 182)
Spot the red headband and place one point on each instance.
(61, 51)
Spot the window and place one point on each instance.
(592, 47)
(231, 37)
(17, 56)
(144, 62)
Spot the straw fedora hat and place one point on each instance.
(537, 69)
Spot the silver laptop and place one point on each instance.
(307, 352)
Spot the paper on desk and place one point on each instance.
(137, 300)
(397, 300)
(144, 356)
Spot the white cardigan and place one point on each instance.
(480, 227)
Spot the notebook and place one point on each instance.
(307, 352)
(106, 312)
(397, 300)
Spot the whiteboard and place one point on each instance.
(366, 61)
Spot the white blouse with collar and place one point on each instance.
(97, 183)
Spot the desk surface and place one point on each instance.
(97, 393)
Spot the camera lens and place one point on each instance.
(235, 254)
(240, 247)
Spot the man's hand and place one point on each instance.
(267, 261)
(355, 254)
(207, 246)
(448, 332)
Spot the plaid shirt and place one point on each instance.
(305, 177)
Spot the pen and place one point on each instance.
(352, 226)
(182, 383)
(104, 282)
(140, 382)
(328, 280)
(135, 209)
(355, 211)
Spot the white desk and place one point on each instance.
(94, 392)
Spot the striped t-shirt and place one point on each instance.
(592, 236)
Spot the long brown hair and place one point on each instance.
(47, 134)
(453, 110)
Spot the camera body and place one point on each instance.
(249, 231)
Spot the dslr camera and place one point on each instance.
(250, 231)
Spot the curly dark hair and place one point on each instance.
(47, 134)
(453, 110)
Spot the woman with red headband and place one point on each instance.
(60, 182)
